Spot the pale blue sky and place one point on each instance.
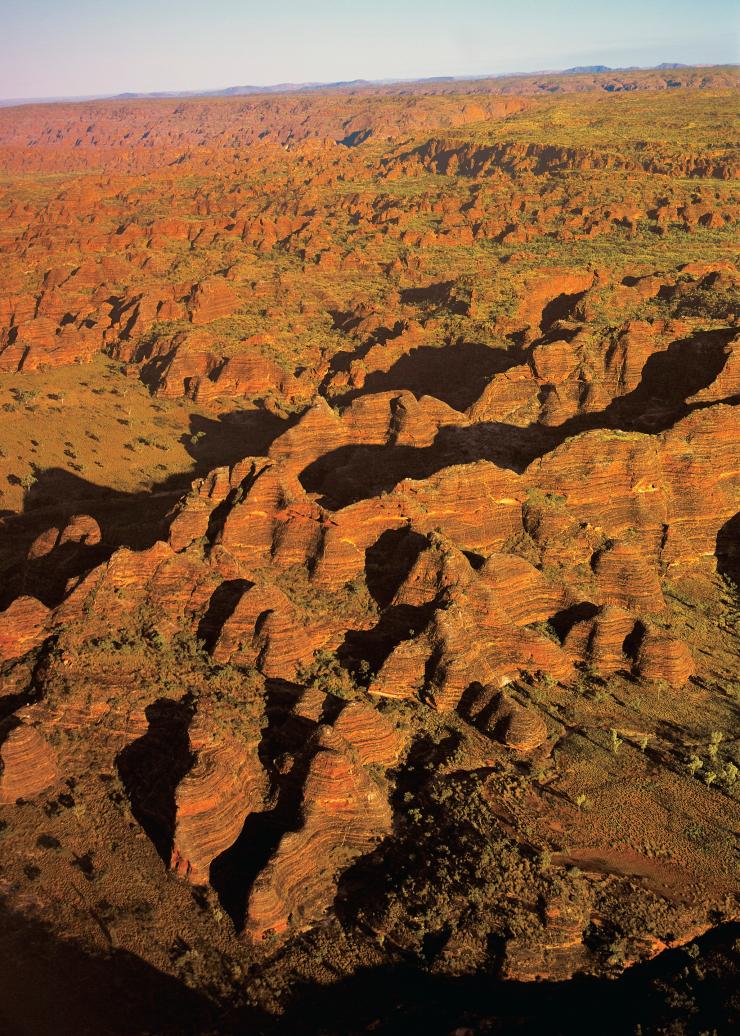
(74, 47)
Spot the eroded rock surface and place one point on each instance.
(438, 643)
(226, 784)
(344, 814)
(28, 764)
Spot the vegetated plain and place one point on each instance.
(368, 474)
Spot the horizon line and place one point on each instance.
(288, 87)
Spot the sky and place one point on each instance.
(63, 48)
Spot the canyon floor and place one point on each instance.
(369, 559)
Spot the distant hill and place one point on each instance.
(281, 88)
(665, 66)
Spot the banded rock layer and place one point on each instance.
(225, 785)
(28, 762)
(344, 814)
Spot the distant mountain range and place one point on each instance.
(665, 66)
(278, 88)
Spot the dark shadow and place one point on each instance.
(224, 600)
(425, 758)
(468, 705)
(563, 621)
(10, 703)
(233, 872)
(31, 668)
(135, 520)
(153, 369)
(387, 564)
(357, 137)
(728, 550)
(559, 308)
(47, 577)
(478, 705)
(152, 767)
(352, 473)
(476, 560)
(374, 877)
(213, 442)
(669, 378)
(346, 320)
(389, 560)
(633, 641)
(373, 646)
(674, 993)
(53, 986)
(434, 294)
(218, 516)
(131, 519)
(346, 323)
(456, 374)
(7, 726)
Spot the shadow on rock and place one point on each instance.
(456, 374)
(126, 519)
(152, 767)
(674, 993)
(728, 550)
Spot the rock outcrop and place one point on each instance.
(225, 785)
(664, 657)
(23, 626)
(28, 763)
(500, 716)
(344, 814)
(461, 574)
(210, 300)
